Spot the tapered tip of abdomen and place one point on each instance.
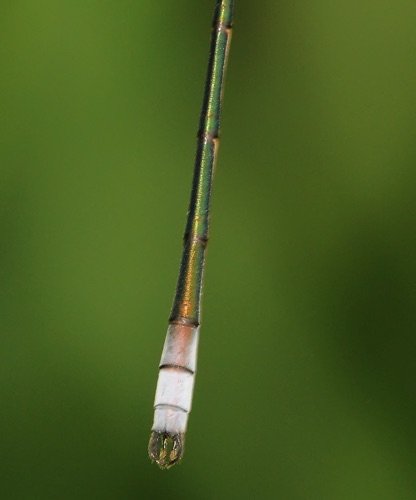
(165, 448)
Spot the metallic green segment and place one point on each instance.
(186, 306)
(221, 30)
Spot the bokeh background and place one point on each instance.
(305, 387)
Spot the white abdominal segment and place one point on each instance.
(175, 383)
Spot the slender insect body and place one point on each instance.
(177, 367)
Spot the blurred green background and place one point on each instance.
(305, 387)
